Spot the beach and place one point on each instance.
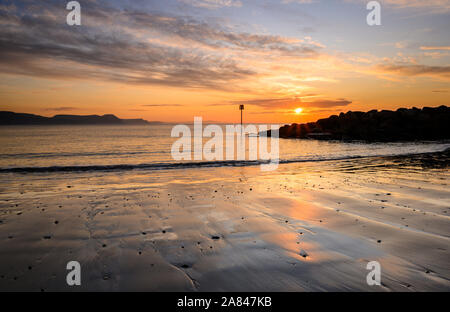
(308, 226)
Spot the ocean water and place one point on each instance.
(97, 148)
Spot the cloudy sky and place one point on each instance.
(172, 60)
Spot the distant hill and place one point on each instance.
(400, 125)
(11, 118)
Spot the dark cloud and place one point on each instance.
(60, 109)
(273, 102)
(216, 36)
(416, 70)
(293, 102)
(327, 103)
(117, 45)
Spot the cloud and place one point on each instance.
(61, 109)
(327, 103)
(415, 70)
(135, 47)
(213, 4)
(293, 103)
(428, 48)
(216, 36)
(436, 54)
(421, 4)
(37, 45)
(426, 6)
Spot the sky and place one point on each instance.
(173, 60)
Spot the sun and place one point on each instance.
(298, 110)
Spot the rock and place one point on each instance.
(401, 125)
(303, 253)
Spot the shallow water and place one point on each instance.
(129, 147)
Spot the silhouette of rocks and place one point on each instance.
(400, 125)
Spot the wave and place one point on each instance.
(85, 154)
(186, 165)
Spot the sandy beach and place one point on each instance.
(305, 227)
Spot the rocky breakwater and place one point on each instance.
(400, 125)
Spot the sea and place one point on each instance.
(28, 149)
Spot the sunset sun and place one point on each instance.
(298, 110)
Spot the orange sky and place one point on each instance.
(172, 67)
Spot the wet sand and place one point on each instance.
(304, 227)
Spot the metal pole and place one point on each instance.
(241, 118)
(241, 108)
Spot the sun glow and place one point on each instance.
(298, 110)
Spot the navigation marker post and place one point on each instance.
(241, 108)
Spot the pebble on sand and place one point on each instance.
(303, 253)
